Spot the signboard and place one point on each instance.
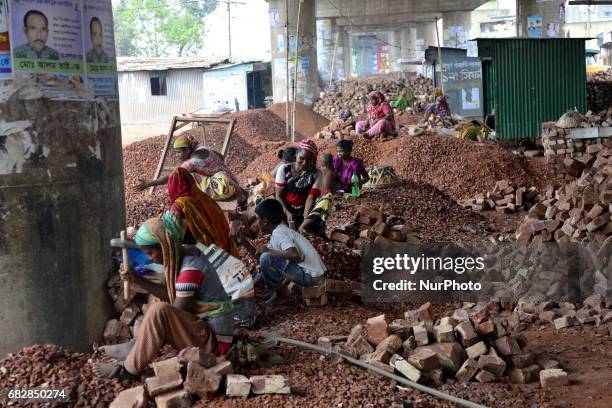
(5, 49)
(100, 59)
(274, 15)
(498, 28)
(553, 29)
(534, 26)
(462, 79)
(46, 36)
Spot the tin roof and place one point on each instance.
(126, 64)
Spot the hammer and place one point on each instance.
(124, 244)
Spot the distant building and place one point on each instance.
(153, 90)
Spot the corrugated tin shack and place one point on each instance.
(531, 80)
(153, 90)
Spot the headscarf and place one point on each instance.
(183, 141)
(438, 92)
(153, 233)
(345, 114)
(377, 111)
(309, 146)
(201, 215)
(378, 95)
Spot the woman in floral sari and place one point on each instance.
(194, 216)
(380, 118)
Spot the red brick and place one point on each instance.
(466, 334)
(467, 370)
(201, 381)
(175, 399)
(553, 378)
(159, 385)
(131, 398)
(425, 313)
(198, 355)
(492, 364)
(524, 375)
(507, 346)
(270, 384)
(237, 386)
(424, 360)
(378, 329)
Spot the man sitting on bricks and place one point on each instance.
(288, 254)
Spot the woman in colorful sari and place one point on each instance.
(194, 216)
(195, 308)
(380, 118)
(212, 176)
(440, 108)
(297, 188)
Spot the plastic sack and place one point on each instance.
(234, 276)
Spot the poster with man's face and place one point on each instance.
(5, 49)
(100, 60)
(46, 36)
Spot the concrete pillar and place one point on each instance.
(395, 50)
(61, 201)
(308, 78)
(456, 29)
(408, 40)
(348, 51)
(546, 19)
(426, 35)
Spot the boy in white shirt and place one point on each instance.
(287, 254)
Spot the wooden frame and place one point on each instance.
(179, 122)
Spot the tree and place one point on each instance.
(160, 28)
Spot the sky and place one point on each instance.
(250, 30)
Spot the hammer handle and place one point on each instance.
(126, 266)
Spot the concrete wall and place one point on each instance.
(61, 201)
(138, 106)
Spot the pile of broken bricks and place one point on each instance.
(372, 225)
(474, 343)
(504, 198)
(130, 311)
(596, 311)
(578, 211)
(195, 374)
(353, 94)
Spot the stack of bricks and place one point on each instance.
(474, 344)
(563, 152)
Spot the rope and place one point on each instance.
(362, 364)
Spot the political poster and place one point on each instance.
(553, 29)
(99, 46)
(534, 26)
(46, 37)
(5, 49)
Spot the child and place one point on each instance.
(287, 254)
(317, 219)
(286, 156)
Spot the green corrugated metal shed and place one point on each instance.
(531, 80)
